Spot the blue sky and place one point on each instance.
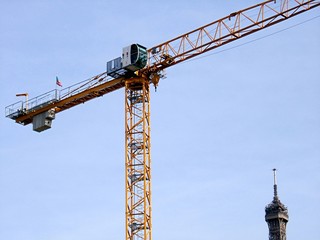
(219, 124)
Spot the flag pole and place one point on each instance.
(59, 84)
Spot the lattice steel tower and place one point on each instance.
(276, 215)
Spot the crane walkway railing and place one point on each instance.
(20, 108)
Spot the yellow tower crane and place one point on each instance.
(135, 70)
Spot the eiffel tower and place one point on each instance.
(276, 215)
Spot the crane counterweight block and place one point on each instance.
(43, 120)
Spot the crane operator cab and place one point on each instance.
(134, 57)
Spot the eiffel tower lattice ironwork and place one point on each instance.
(276, 215)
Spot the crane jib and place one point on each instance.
(223, 31)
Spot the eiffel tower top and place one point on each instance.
(276, 209)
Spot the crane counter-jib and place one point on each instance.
(59, 100)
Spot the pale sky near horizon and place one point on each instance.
(219, 124)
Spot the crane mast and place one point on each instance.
(138, 159)
(136, 80)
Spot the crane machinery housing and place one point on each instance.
(134, 71)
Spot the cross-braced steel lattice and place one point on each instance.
(138, 160)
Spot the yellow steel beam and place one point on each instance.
(73, 100)
(138, 160)
(223, 31)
